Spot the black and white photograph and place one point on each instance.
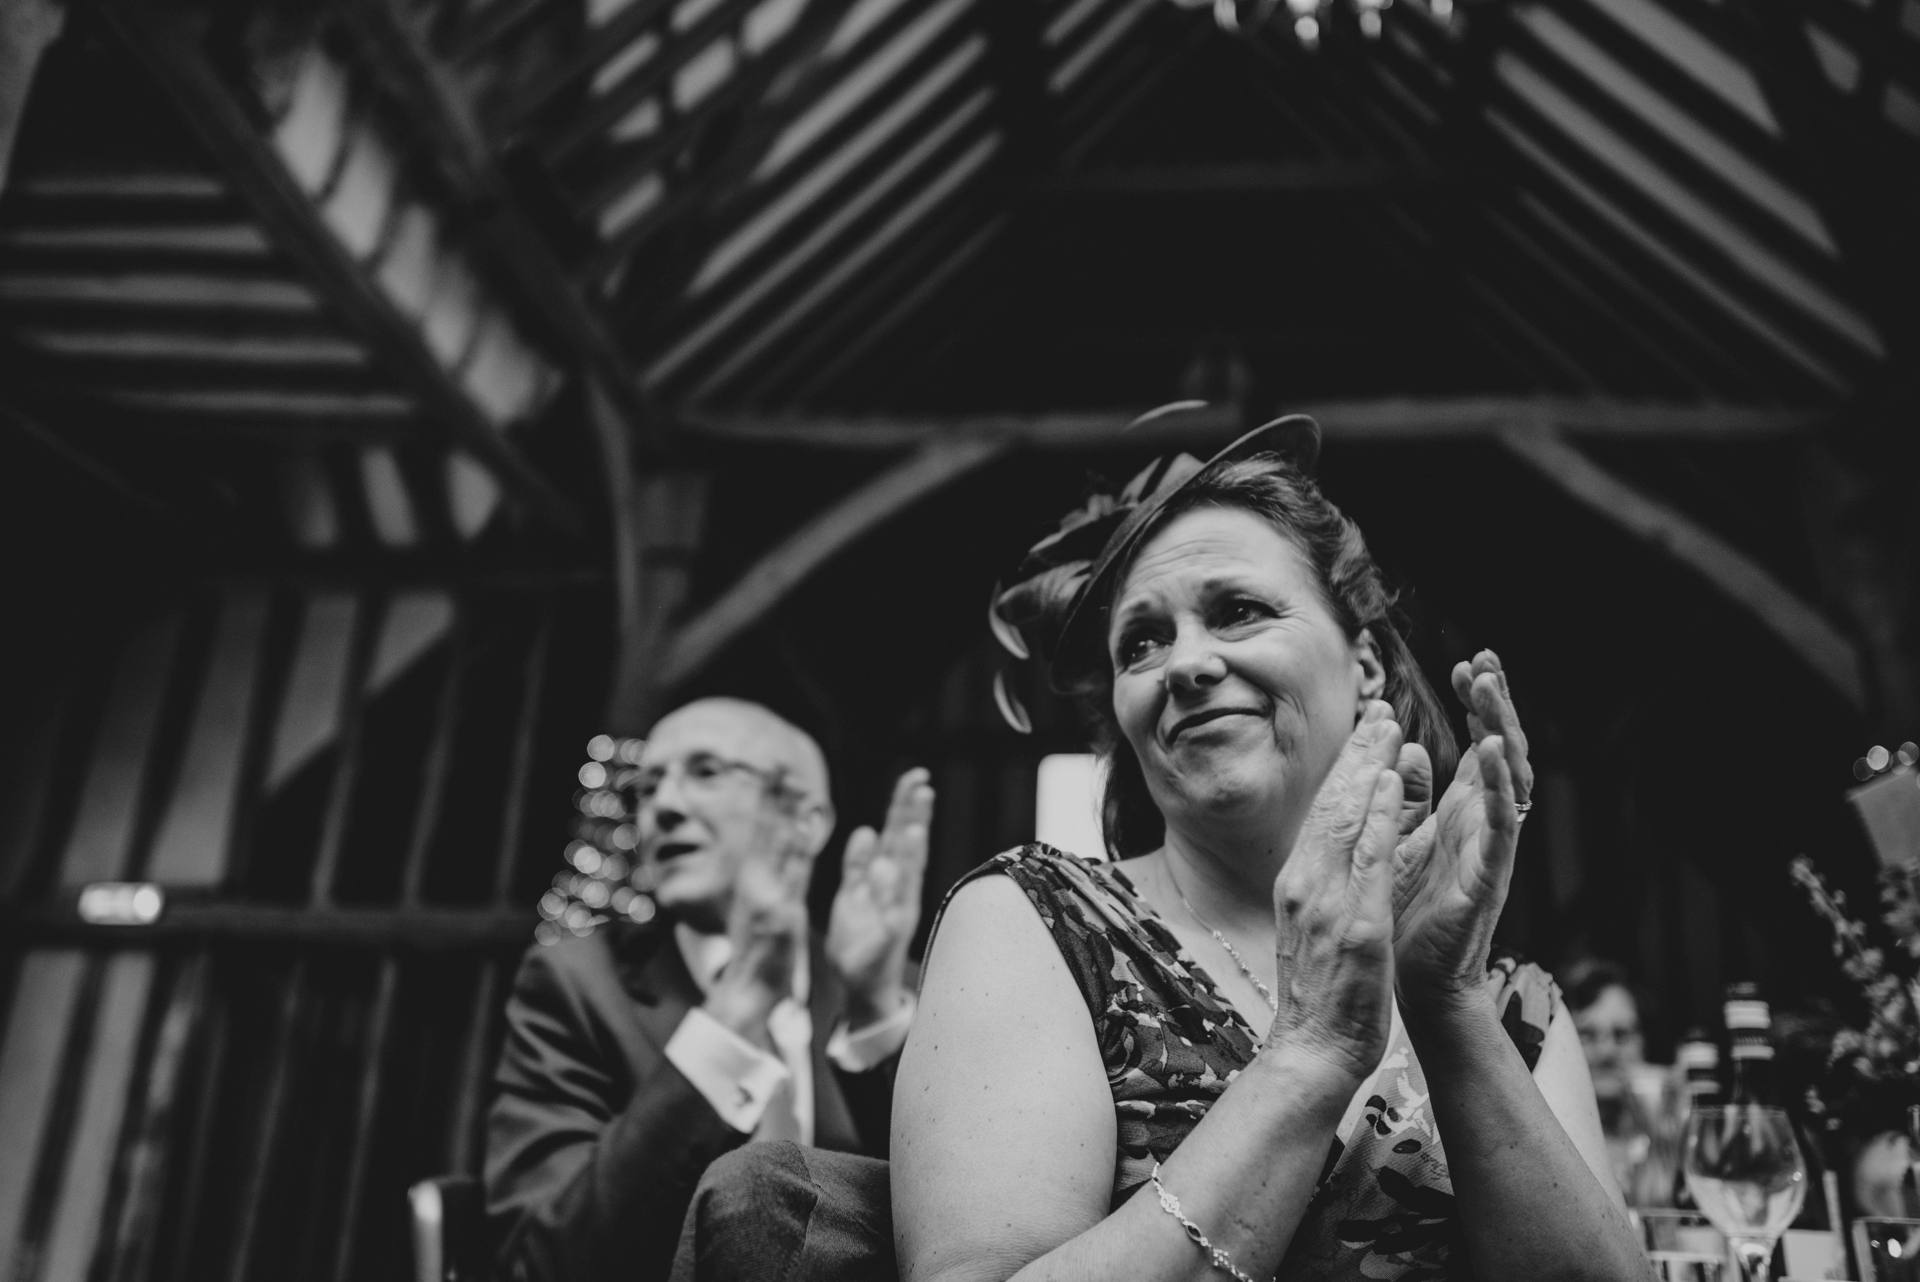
(960, 640)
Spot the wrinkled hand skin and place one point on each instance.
(1333, 909)
(1452, 869)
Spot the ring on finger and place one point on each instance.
(1521, 808)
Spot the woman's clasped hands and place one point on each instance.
(1385, 891)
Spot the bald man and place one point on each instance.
(636, 1056)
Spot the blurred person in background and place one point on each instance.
(640, 1056)
(1639, 1102)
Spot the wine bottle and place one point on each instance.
(1813, 1243)
(1699, 1063)
(1749, 1046)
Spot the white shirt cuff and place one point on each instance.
(734, 1075)
(859, 1051)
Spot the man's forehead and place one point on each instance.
(739, 729)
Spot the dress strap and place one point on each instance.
(1526, 997)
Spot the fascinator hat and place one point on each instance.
(1054, 612)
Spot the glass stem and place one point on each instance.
(1756, 1259)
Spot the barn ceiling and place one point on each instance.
(368, 283)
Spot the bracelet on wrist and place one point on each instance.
(1215, 1256)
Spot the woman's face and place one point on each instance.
(1233, 683)
(1610, 1035)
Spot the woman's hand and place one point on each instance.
(1333, 909)
(1451, 872)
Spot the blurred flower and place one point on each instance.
(1874, 1068)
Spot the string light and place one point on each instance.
(1308, 18)
(601, 879)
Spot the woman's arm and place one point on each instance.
(1523, 1156)
(1003, 1127)
(1524, 1149)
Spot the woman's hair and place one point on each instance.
(1271, 487)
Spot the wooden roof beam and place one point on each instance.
(650, 77)
(1794, 622)
(726, 200)
(1494, 155)
(1701, 180)
(933, 465)
(1009, 192)
(1462, 141)
(1848, 149)
(1367, 176)
(598, 46)
(401, 63)
(724, 180)
(27, 28)
(183, 73)
(1370, 422)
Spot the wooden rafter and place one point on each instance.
(1849, 151)
(617, 167)
(598, 46)
(393, 48)
(27, 28)
(1668, 306)
(647, 79)
(885, 302)
(722, 184)
(1702, 181)
(1796, 623)
(1497, 159)
(1017, 63)
(1733, 128)
(1345, 177)
(1010, 220)
(1360, 421)
(1092, 111)
(192, 918)
(122, 489)
(184, 74)
(1462, 76)
(935, 464)
(1712, 258)
(1548, 252)
(819, 234)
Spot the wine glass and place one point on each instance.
(1747, 1174)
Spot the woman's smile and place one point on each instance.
(1219, 721)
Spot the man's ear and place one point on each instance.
(816, 822)
(1373, 673)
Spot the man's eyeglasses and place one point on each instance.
(706, 773)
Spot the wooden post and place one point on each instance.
(668, 515)
(27, 28)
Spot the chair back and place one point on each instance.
(449, 1229)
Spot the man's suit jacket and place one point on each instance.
(595, 1141)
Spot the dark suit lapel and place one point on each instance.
(832, 1122)
(655, 976)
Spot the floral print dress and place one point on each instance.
(1171, 1043)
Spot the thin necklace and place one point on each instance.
(1273, 1002)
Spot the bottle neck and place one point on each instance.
(1752, 1078)
(1703, 1094)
